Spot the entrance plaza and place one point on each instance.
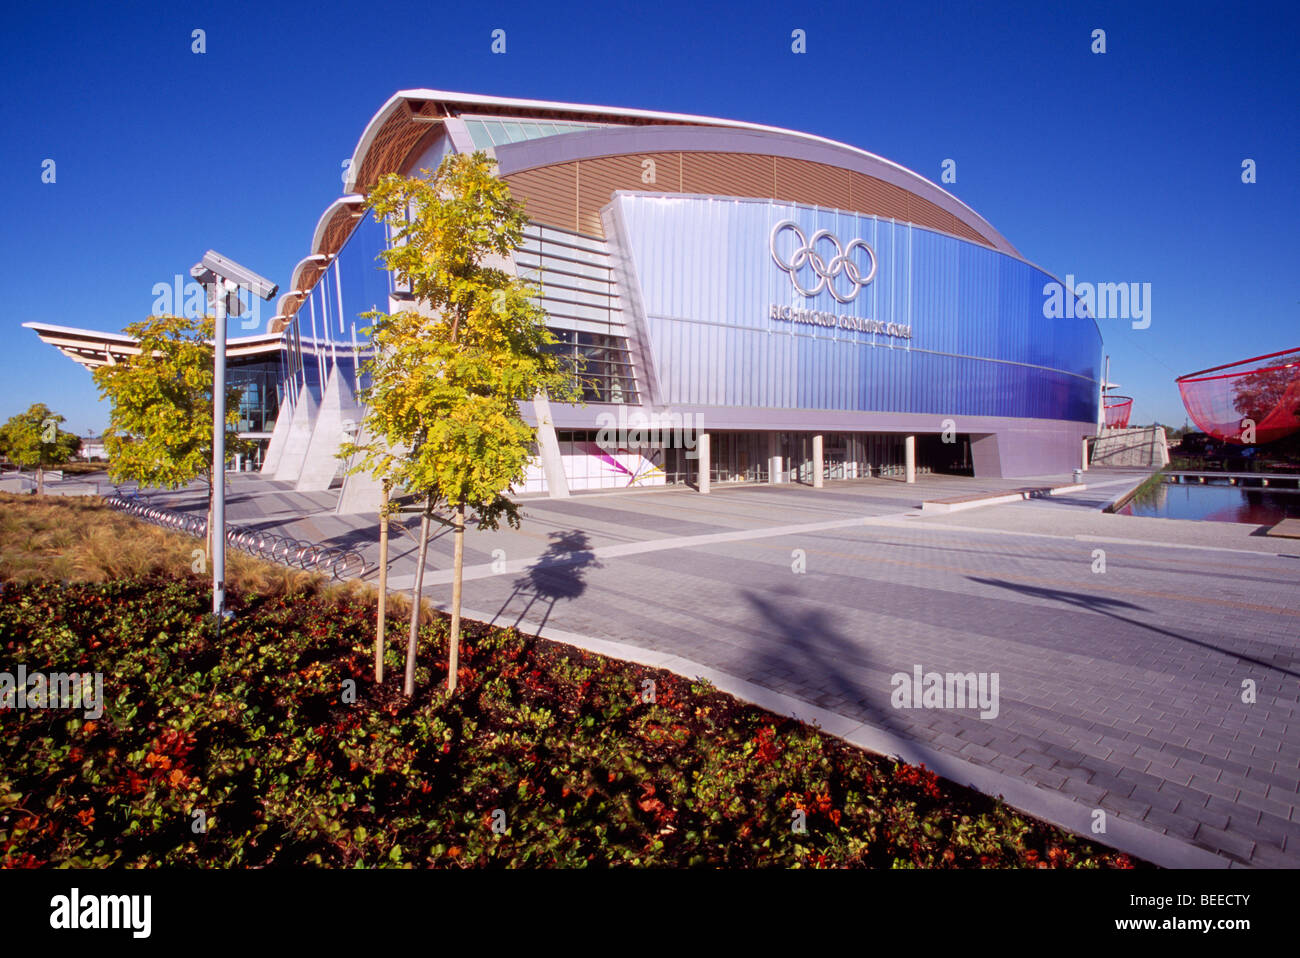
(1144, 668)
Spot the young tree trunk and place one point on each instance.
(458, 565)
(408, 688)
(383, 586)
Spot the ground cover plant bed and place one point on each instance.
(270, 744)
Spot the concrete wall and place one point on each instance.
(1146, 448)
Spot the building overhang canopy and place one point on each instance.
(92, 348)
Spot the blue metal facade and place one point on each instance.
(979, 344)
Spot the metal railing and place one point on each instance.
(339, 563)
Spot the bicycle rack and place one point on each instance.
(340, 564)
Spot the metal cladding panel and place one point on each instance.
(549, 194)
(727, 174)
(979, 343)
(975, 308)
(597, 179)
(433, 154)
(818, 183)
(886, 199)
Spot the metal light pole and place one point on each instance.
(1101, 407)
(218, 531)
(223, 279)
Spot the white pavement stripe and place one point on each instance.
(1114, 540)
(485, 571)
(898, 520)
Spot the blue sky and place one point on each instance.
(1121, 167)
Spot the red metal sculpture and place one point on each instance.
(1247, 402)
(1118, 409)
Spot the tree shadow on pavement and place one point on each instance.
(1110, 608)
(816, 653)
(558, 573)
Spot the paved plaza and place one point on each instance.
(1146, 668)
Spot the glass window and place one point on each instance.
(259, 403)
(479, 134)
(599, 362)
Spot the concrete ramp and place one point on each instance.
(1287, 528)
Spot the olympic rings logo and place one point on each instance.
(806, 254)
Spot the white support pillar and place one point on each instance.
(320, 463)
(819, 461)
(548, 448)
(774, 461)
(1085, 453)
(909, 459)
(703, 462)
(279, 436)
(361, 492)
(299, 438)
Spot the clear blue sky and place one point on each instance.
(1122, 167)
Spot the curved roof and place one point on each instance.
(307, 271)
(335, 224)
(725, 161)
(92, 347)
(412, 117)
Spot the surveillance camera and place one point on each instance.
(228, 269)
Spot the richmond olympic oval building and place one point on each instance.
(746, 304)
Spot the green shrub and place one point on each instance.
(546, 755)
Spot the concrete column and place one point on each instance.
(301, 427)
(320, 463)
(1085, 452)
(361, 492)
(819, 461)
(773, 457)
(703, 462)
(279, 436)
(909, 459)
(548, 448)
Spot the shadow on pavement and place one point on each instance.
(558, 573)
(1108, 607)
